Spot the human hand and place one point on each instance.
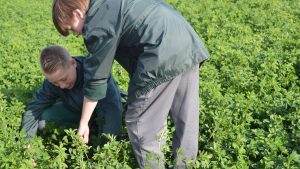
(27, 147)
(83, 132)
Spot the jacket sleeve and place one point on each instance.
(43, 98)
(101, 37)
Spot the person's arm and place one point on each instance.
(101, 41)
(87, 110)
(43, 98)
(95, 85)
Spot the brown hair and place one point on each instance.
(62, 13)
(53, 58)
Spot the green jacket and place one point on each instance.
(48, 95)
(150, 39)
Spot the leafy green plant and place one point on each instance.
(249, 88)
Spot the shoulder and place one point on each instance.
(104, 16)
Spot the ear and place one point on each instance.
(73, 62)
(78, 13)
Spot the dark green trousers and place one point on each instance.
(60, 115)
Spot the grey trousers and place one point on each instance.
(146, 119)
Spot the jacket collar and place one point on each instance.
(93, 6)
(92, 9)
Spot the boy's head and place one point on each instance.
(69, 15)
(58, 67)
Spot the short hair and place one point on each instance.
(62, 13)
(53, 58)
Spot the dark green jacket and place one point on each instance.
(150, 39)
(48, 95)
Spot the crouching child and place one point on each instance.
(60, 98)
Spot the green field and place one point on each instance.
(249, 88)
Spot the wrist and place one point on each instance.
(83, 123)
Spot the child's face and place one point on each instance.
(64, 78)
(76, 25)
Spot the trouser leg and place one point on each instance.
(146, 118)
(185, 114)
(111, 110)
(60, 115)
